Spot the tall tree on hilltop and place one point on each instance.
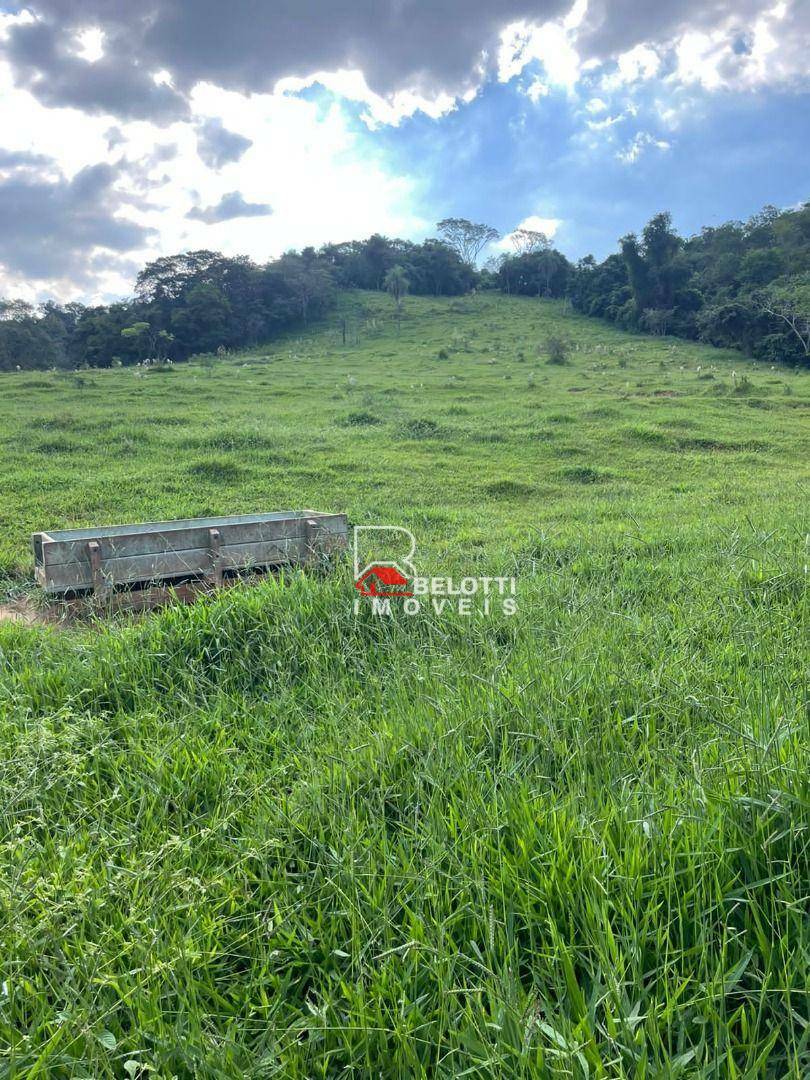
(466, 238)
(528, 241)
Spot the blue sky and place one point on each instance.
(502, 158)
(129, 132)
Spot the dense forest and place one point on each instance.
(744, 285)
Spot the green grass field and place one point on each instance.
(263, 836)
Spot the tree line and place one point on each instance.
(743, 285)
(203, 301)
(740, 285)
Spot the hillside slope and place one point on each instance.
(269, 836)
(491, 438)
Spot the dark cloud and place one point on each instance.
(162, 153)
(248, 46)
(22, 159)
(424, 45)
(613, 26)
(115, 137)
(51, 228)
(217, 146)
(139, 172)
(230, 206)
(430, 46)
(120, 83)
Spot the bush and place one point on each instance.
(420, 428)
(556, 349)
(741, 385)
(361, 419)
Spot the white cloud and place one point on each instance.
(326, 186)
(90, 44)
(534, 223)
(392, 109)
(642, 141)
(308, 163)
(550, 44)
(635, 65)
(8, 20)
(699, 57)
(547, 225)
(714, 47)
(537, 89)
(576, 16)
(605, 124)
(71, 137)
(307, 160)
(769, 50)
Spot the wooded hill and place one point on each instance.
(743, 285)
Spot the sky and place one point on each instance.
(134, 130)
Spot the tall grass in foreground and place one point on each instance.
(264, 837)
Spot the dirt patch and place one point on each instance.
(21, 611)
(88, 610)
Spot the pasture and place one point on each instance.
(266, 836)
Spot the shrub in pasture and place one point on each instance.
(741, 384)
(556, 349)
(420, 428)
(360, 419)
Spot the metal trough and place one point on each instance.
(99, 559)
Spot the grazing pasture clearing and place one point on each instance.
(264, 836)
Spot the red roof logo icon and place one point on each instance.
(382, 579)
